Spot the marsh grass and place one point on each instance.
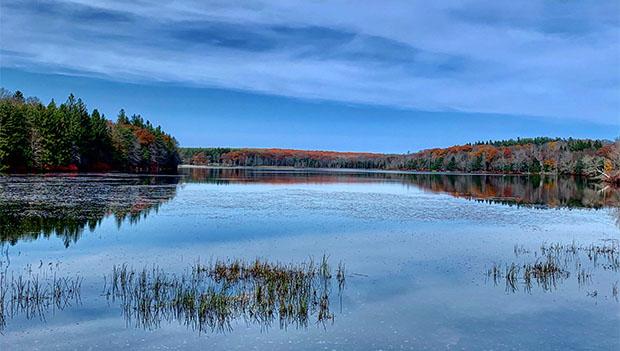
(554, 263)
(34, 295)
(545, 273)
(210, 297)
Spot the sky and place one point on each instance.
(383, 76)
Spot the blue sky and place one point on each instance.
(343, 75)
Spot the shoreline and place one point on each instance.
(293, 169)
(369, 170)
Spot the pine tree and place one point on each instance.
(14, 148)
(451, 165)
(99, 139)
(122, 117)
(38, 137)
(535, 166)
(477, 164)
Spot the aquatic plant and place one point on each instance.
(212, 296)
(33, 207)
(553, 264)
(546, 273)
(34, 294)
(520, 250)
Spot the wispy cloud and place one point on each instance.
(547, 58)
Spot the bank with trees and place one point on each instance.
(67, 137)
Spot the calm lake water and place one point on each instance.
(417, 250)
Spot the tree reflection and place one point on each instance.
(42, 206)
(535, 190)
(35, 206)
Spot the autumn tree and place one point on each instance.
(68, 137)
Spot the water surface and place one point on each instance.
(416, 247)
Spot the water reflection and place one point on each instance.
(510, 190)
(63, 205)
(410, 254)
(36, 292)
(534, 190)
(35, 206)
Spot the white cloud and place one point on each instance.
(536, 58)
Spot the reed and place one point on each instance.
(34, 294)
(211, 297)
(553, 264)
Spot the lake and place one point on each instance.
(381, 260)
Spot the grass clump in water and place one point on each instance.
(212, 296)
(555, 263)
(33, 295)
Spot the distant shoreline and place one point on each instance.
(368, 170)
(586, 158)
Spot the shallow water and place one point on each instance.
(416, 247)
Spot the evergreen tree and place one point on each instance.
(14, 145)
(67, 137)
(535, 166)
(451, 165)
(122, 117)
(477, 164)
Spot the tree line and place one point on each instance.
(67, 137)
(552, 156)
(285, 158)
(515, 156)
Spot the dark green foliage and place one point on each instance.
(597, 144)
(437, 164)
(579, 144)
(518, 141)
(411, 164)
(14, 134)
(451, 165)
(34, 137)
(535, 166)
(476, 165)
(579, 167)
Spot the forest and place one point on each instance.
(515, 156)
(67, 137)
(285, 158)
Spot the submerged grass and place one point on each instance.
(35, 294)
(554, 263)
(545, 273)
(212, 296)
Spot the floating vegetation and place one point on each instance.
(35, 206)
(210, 297)
(554, 263)
(35, 294)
